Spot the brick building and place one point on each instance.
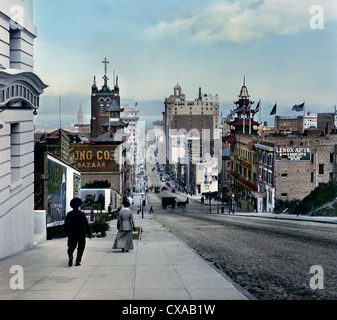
(291, 166)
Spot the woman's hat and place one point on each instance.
(126, 202)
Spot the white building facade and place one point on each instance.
(207, 173)
(198, 121)
(20, 90)
(310, 120)
(130, 115)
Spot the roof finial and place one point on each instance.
(244, 81)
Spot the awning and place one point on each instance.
(259, 195)
(251, 186)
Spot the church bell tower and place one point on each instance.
(101, 101)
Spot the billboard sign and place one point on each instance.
(57, 189)
(64, 184)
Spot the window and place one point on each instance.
(321, 168)
(312, 177)
(331, 158)
(269, 178)
(15, 152)
(270, 197)
(270, 160)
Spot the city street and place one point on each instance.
(271, 259)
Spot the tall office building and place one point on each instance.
(191, 127)
(201, 113)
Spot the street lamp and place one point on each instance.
(232, 204)
(210, 201)
(143, 205)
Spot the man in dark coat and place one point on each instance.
(76, 227)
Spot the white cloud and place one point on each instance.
(241, 21)
(168, 28)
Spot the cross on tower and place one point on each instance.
(106, 70)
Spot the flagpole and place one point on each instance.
(260, 112)
(244, 120)
(60, 108)
(303, 116)
(250, 120)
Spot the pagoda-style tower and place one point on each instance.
(241, 119)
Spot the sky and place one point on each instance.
(286, 50)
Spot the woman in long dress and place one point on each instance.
(125, 226)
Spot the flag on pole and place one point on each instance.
(298, 107)
(273, 112)
(257, 108)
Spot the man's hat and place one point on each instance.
(76, 203)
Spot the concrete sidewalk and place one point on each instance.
(161, 267)
(215, 204)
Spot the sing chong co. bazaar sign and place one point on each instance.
(92, 158)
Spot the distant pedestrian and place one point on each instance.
(76, 227)
(125, 226)
(151, 210)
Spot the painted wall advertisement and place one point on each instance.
(96, 158)
(293, 153)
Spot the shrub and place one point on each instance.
(100, 225)
(285, 206)
(322, 195)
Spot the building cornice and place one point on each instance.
(31, 88)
